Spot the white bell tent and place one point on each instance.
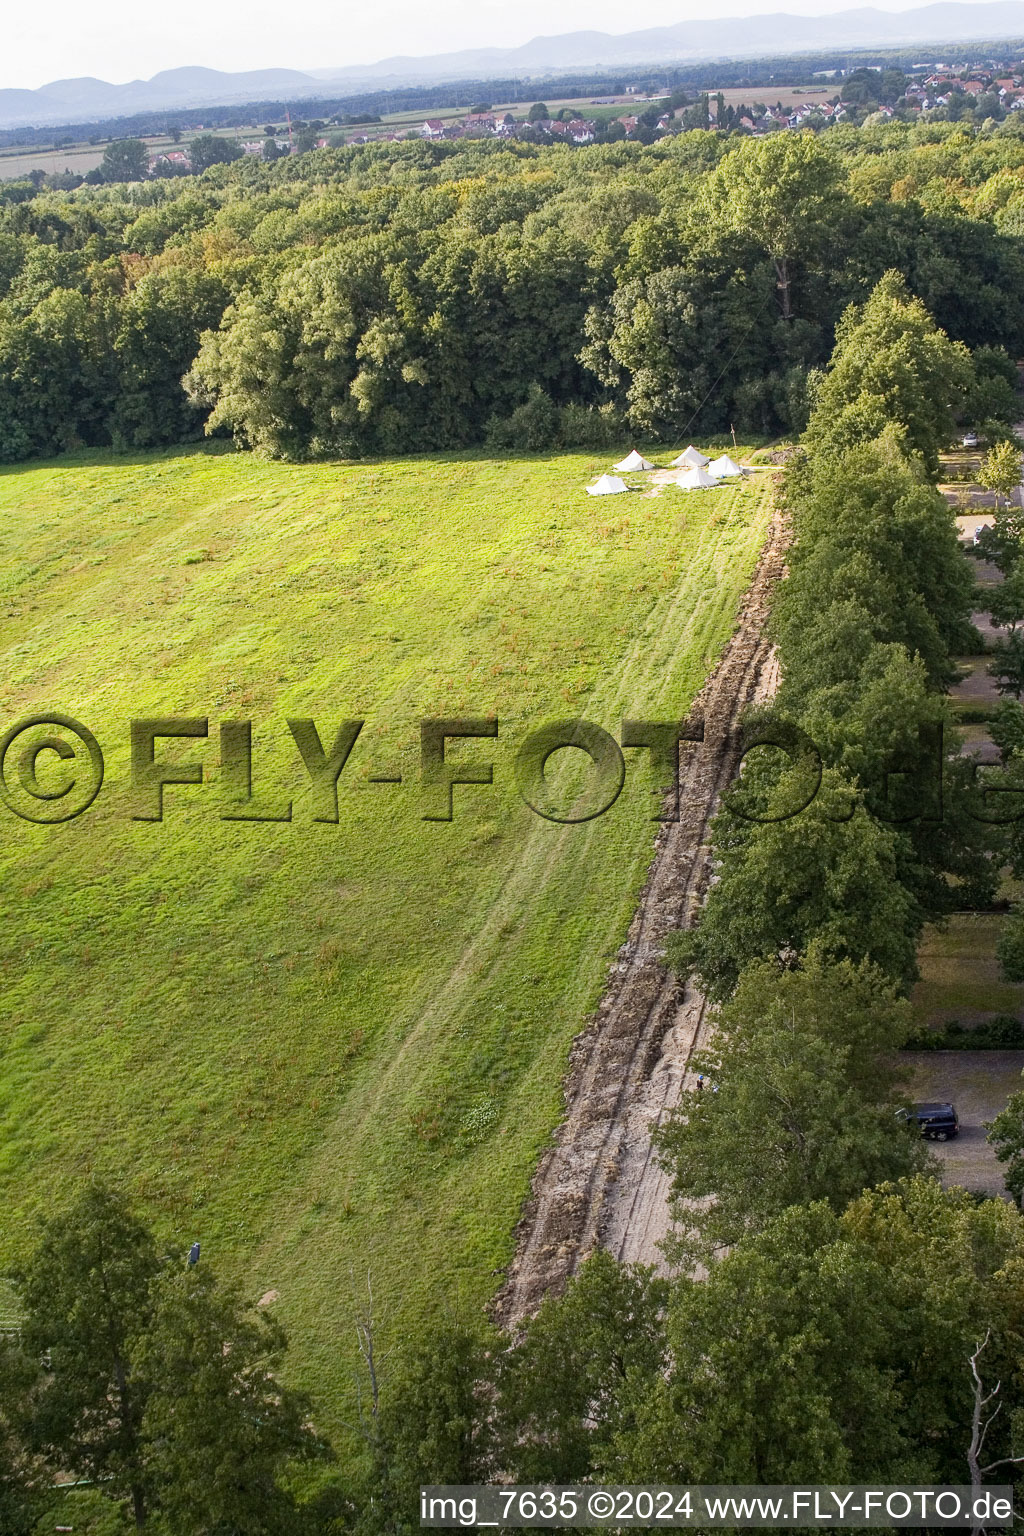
(632, 462)
(696, 479)
(608, 485)
(692, 457)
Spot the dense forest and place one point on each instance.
(431, 296)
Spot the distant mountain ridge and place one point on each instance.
(86, 100)
(89, 100)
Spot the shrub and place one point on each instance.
(532, 425)
(590, 426)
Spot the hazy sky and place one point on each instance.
(121, 40)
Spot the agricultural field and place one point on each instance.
(328, 1050)
(786, 95)
(80, 158)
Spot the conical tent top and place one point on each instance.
(608, 485)
(634, 461)
(690, 455)
(696, 478)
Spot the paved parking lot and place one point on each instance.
(979, 1083)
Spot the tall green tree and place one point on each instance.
(1007, 664)
(1007, 728)
(560, 1385)
(799, 1105)
(891, 366)
(1000, 472)
(219, 1428)
(160, 1387)
(838, 1346)
(87, 1295)
(1006, 601)
(210, 149)
(428, 1419)
(1006, 1133)
(788, 878)
(783, 194)
(160, 325)
(876, 559)
(23, 1476)
(125, 160)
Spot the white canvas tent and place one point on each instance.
(724, 466)
(691, 457)
(696, 478)
(633, 461)
(608, 485)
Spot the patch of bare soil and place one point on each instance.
(599, 1183)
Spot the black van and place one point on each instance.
(938, 1122)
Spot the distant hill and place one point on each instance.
(691, 40)
(89, 100)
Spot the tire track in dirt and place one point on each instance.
(599, 1184)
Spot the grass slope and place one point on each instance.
(327, 1050)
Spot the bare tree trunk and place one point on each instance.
(782, 273)
(366, 1327)
(980, 1426)
(977, 1431)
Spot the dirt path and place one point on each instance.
(598, 1183)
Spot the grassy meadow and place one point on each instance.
(328, 1050)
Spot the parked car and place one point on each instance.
(937, 1122)
(969, 440)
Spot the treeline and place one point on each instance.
(858, 824)
(1002, 543)
(414, 297)
(819, 1344)
(141, 1395)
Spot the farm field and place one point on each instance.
(80, 158)
(328, 1050)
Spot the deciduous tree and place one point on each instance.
(1000, 471)
(891, 366)
(783, 194)
(219, 1428)
(799, 1102)
(125, 160)
(87, 1295)
(824, 875)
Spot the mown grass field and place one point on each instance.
(327, 1050)
(960, 974)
